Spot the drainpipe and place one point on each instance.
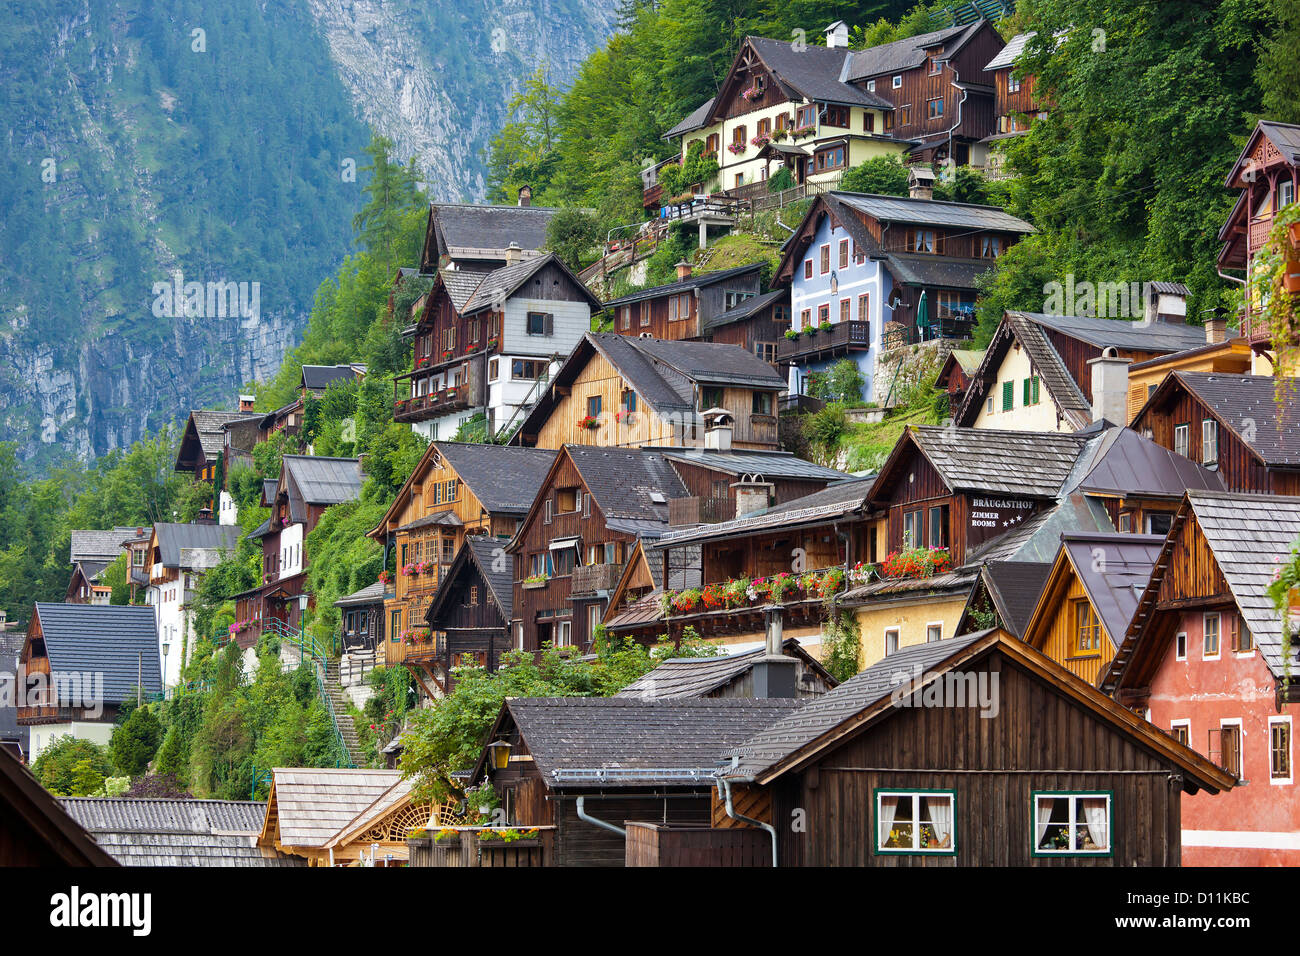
(725, 785)
(588, 818)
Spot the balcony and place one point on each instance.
(46, 714)
(709, 209)
(700, 510)
(592, 578)
(814, 344)
(435, 401)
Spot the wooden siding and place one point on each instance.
(1193, 576)
(1040, 740)
(579, 843)
(1061, 640)
(652, 845)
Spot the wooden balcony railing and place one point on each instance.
(814, 343)
(455, 398)
(590, 578)
(700, 510)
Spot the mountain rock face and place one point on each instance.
(222, 141)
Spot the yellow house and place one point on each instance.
(1088, 601)
(1233, 356)
(897, 613)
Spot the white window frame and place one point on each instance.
(563, 632)
(898, 636)
(1073, 796)
(1290, 759)
(1183, 655)
(916, 795)
(897, 81)
(1218, 641)
(1185, 446)
(1209, 439)
(930, 624)
(1186, 724)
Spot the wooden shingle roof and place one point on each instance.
(680, 677)
(310, 806)
(1032, 464)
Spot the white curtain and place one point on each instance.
(1044, 818)
(941, 816)
(1094, 812)
(888, 807)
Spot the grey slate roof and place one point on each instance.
(116, 641)
(901, 54)
(934, 212)
(920, 269)
(622, 480)
(11, 649)
(102, 545)
(1114, 570)
(1124, 463)
(746, 310)
(313, 805)
(320, 377)
(504, 478)
(177, 832)
(1061, 387)
(692, 121)
(822, 714)
(208, 423)
(768, 464)
(1032, 464)
(324, 481)
(1015, 46)
(697, 280)
(1246, 404)
(270, 486)
(461, 282)
(501, 284)
(680, 677)
(569, 735)
(477, 226)
(705, 363)
(496, 568)
(1014, 587)
(1122, 333)
(175, 538)
(370, 594)
(1285, 136)
(814, 71)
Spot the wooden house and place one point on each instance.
(956, 372)
(1267, 178)
(870, 274)
(203, 443)
(684, 308)
(1204, 660)
(1091, 592)
(586, 765)
(619, 391)
(729, 675)
(78, 664)
(1230, 423)
(1015, 103)
(1220, 354)
(479, 235)
(757, 324)
(91, 552)
(456, 490)
(361, 616)
(13, 736)
(1004, 595)
(970, 751)
(1061, 373)
(35, 830)
(469, 615)
(177, 832)
(306, 487)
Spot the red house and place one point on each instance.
(1203, 660)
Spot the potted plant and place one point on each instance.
(736, 148)
(589, 422)
(826, 326)
(535, 581)
(792, 335)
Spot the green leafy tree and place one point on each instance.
(134, 743)
(844, 381)
(574, 235)
(880, 175)
(72, 767)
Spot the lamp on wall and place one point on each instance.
(499, 754)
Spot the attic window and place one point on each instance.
(658, 498)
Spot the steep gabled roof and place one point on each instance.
(696, 280)
(370, 594)
(1123, 334)
(1015, 46)
(746, 310)
(697, 119)
(98, 545)
(762, 463)
(481, 231)
(907, 53)
(34, 817)
(174, 539)
(204, 429)
(498, 286)
(870, 697)
(1125, 464)
(461, 282)
(1285, 137)
(933, 212)
(487, 555)
(626, 481)
(119, 642)
(636, 743)
(320, 377)
(504, 478)
(324, 481)
(311, 806)
(1246, 405)
(1013, 587)
(815, 73)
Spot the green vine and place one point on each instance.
(1278, 308)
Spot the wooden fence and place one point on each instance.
(652, 844)
(473, 847)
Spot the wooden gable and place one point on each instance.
(1053, 627)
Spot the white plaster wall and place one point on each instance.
(1042, 417)
(42, 735)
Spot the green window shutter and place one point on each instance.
(1025, 394)
(1008, 396)
(1035, 381)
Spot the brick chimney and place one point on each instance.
(1216, 325)
(1110, 387)
(752, 495)
(525, 195)
(513, 254)
(683, 271)
(246, 403)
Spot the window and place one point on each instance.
(494, 370)
(473, 330)
(645, 314)
(889, 120)
(448, 550)
(593, 406)
(871, 86)
(988, 406)
(1087, 629)
(911, 528)
(563, 560)
(1071, 823)
(563, 633)
(1013, 84)
(864, 307)
(933, 632)
(394, 625)
(738, 135)
(1008, 396)
(1030, 391)
(836, 116)
(1159, 522)
(891, 641)
(937, 527)
(1181, 732)
(805, 318)
(548, 511)
(1181, 439)
(897, 82)
(868, 121)
(807, 268)
(1210, 648)
(473, 595)
(934, 108)
(844, 253)
(628, 400)
(823, 313)
(1229, 746)
(679, 307)
(846, 307)
(539, 564)
(1279, 749)
(766, 351)
(566, 501)
(1209, 442)
(539, 323)
(932, 62)
(805, 116)
(832, 158)
(449, 339)
(762, 403)
(526, 369)
(1285, 193)
(764, 127)
(711, 397)
(990, 247)
(904, 115)
(918, 822)
(922, 240)
(826, 259)
(1239, 637)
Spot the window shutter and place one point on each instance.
(1008, 396)
(548, 511)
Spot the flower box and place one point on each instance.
(736, 148)
(590, 422)
(537, 581)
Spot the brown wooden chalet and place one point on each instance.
(1231, 424)
(1055, 355)
(480, 235)
(1016, 104)
(469, 616)
(91, 552)
(1267, 176)
(1047, 770)
(203, 439)
(586, 766)
(307, 486)
(683, 309)
(615, 390)
(455, 491)
(956, 372)
(35, 830)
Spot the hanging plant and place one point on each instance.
(1275, 291)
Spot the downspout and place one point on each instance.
(725, 785)
(603, 824)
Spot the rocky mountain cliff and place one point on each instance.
(222, 141)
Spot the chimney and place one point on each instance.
(1166, 302)
(513, 254)
(837, 35)
(205, 517)
(774, 672)
(717, 429)
(752, 495)
(525, 195)
(683, 271)
(246, 403)
(1216, 325)
(920, 182)
(1110, 387)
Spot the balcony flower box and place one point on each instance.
(802, 132)
(751, 92)
(916, 563)
(505, 837)
(761, 140)
(625, 416)
(792, 335)
(447, 353)
(589, 422)
(825, 326)
(736, 148)
(780, 135)
(535, 581)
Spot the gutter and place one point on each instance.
(588, 818)
(725, 785)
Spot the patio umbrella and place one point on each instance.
(923, 313)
